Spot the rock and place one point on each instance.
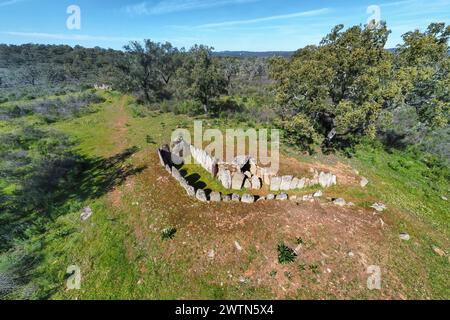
(238, 246)
(161, 159)
(364, 182)
(301, 183)
(351, 254)
(286, 183)
(235, 197)
(247, 174)
(226, 198)
(261, 199)
(201, 195)
(179, 150)
(379, 207)
(307, 197)
(325, 179)
(294, 184)
(237, 181)
(444, 198)
(176, 174)
(275, 184)
(253, 167)
(211, 254)
(404, 236)
(240, 161)
(168, 169)
(340, 202)
(282, 197)
(247, 184)
(190, 191)
(247, 198)
(256, 183)
(215, 197)
(439, 251)
(225, 178)
(313, 182)
(86, 214)
(318, 194)
(270, 196)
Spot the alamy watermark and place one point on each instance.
(74, 279)
(73, 22)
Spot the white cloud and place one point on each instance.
(10, 2)
(265, 19)
(169, 6)
(69, 37)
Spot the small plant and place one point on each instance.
(299, 241)
(288, 275)
(302, 267)
(273, 273)
(285, 254)
(168, 234)
(314, 268)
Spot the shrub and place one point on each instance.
(285, 254)
(168, 234)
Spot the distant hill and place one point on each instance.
(254, 54)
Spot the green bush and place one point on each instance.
(285, 254)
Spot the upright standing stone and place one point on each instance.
(190, 191)
(294, 184)
(247, 184)
(286, 183)
(256, 183)
(282, 197)
(225, 178)
(237, 180)
(201, 195)
(301, 183)
(275, 183)
(161, 159)
(215, 197)
(235, 197)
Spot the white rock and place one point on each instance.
(282, 197)
(201, 195)
(238, 246)
(294, 183)
(340, 202)
(237, 181)
(215, 197)
(86, 214)
(211, 254)
(364, 182)
(247, 198)
(379, 207)
(286, 183)
(225, 178)
(404, 236)
(318, 194)
(302, 183)
(256, 183)
(275, 184)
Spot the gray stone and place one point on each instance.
(237, 181)
(286, 183)
(211, 254)
(275, 184)
(201, 195)
(318, 194)
(225, 178)
(176, 174)
(256, 183)
(161, 159)
(364, 182)
(247, 198)
(179, 150)
(248, 174)
(444, 198)
(404, 236)
(302, 183)
(247, 184)
(235, 197)
(379, 207)
(86, 214)
(325, 179)
(294, 184)
(238, 246)
(190, 191)
(215, 197)
(282, 197)
(308, 197)
(261, 199)
(168, 169)
(226, 198)
(270, 196)
(340, 202)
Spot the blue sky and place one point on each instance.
(254, 25)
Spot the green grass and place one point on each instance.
(116, 264)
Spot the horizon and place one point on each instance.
(226, 25)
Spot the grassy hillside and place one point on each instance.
(122, 254)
